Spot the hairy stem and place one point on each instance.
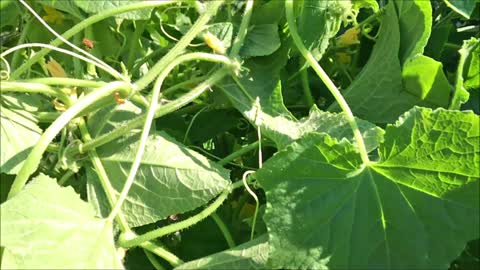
(151, 115)
(328, 82)
(180, 46)
(138, 240)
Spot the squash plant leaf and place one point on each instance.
(415, 21)
(19, 131)
(415, 208)
(327, 17)
(377, 94)
(47, 226)
(424, 77)
(334, 124)
(250, 255)
(171, 179)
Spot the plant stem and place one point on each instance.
(184, 84)
(134, 42)
(30, 88)
(85, 23)
(224, 229)
(161, 111)
(65, 177)
(306, 86)
(136, 241)
(153, 260)
(328, 82)
(163, 253)
(242, 31)
(47, 117)
(240, 152)
(33, 160)
(67, 82)
(99, 62)
(180, 46)
(21, 40)
(151, 114)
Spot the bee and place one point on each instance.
(88, 43)
(118, 98)
(213, 42)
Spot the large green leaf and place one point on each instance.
(334, 124)
(102, 5)
(319, 21)
(250, 255)
(171, 179)
(49, 227)
(19, 131)
(377, 93)
(424, 77)
(415, 21)
(462, 7)
(414, 209)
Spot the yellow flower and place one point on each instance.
(55, 69)
(53, 15)
(350, 37)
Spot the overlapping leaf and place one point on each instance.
(415, 22)
(46, 226)
(19, 132)
(415, 208)
(171, 179)
(377, 93)
(250, 255)
(319, 21)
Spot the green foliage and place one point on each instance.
(462, 7)
(19, 131)
(49, 226)
(355, 123)
(327, 210)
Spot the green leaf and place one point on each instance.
(260, 78)
(415, 21)
(472, 69)
(414, 209)
(268, 13)
(334, 124)
(250, 255)
(327, 17)
(102, 5)
(377, 93)
(462, 7)
(47, 226)
(10, 14)
(171, 179)
(424, 77)
(68, 6)
(19, 131)
(262, 40)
